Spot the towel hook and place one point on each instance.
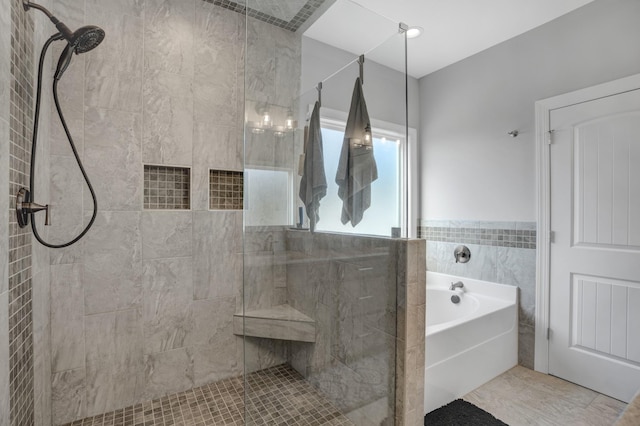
(361, 64)
(319, 89)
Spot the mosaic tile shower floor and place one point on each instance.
(278, 396)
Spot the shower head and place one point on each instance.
(82, 40)
(86, 38)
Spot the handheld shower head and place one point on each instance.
(86, 38)
(82, 40)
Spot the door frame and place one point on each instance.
(543, 110)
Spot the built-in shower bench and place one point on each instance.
(278, 322)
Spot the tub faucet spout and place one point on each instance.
(453, 286)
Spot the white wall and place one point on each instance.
(470, 167)
(384, 88)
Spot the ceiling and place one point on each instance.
(453, 29)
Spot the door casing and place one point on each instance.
(543, 188)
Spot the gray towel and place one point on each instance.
(357, 167)
(313, 185)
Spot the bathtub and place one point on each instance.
(469, 343)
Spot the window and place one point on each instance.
(386, 210)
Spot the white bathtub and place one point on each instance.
(469, 343)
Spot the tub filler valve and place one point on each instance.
(453, 286)
(462, 254)
(457, 287)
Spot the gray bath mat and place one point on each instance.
(461, 413)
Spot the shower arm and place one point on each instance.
(66, 32)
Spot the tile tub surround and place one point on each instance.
(501, 252)
(278, 396)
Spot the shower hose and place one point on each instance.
(36, 119)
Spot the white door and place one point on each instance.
(594, 337)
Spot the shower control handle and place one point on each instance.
(25, 208)
(35, 207)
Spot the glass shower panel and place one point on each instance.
(319, 308)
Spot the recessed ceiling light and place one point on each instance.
(414, 32)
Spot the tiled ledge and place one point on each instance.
(279, 322)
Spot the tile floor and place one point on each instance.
(278, 396)
(524, 397)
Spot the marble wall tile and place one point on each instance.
(41, 304)
(169, 36)
(217, 261)
(214, 104)
(526, 226)
(67, 217)
(166, 234)
(288, 67)
(217, 23)
(121, 52)
(122, 92)
(124, 7)
(259, 353)
(68, 398)
(4, 357)
(114, 360)
(260, 62)
(70, 12)
(212, 322)
(113, 263)
(168, 118)
(517, 267)
(214, 147)
(167, 303)
(113, 158)
(168, 372)
(67, 317)
(216, 62)
(213, 362)
(353, 358)
(260, 149)
(482, 265)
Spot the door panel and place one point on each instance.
(595, 256)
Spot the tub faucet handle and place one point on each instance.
(462, 254)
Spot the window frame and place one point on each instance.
(336, 120)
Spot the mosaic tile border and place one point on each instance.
(277, 396)
(301, 17)
(21, 356)
(167, 188)
(499, 234)
(226, 190)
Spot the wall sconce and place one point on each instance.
(266, 118)
(289, 122)
(272, 118)
(367, 135)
